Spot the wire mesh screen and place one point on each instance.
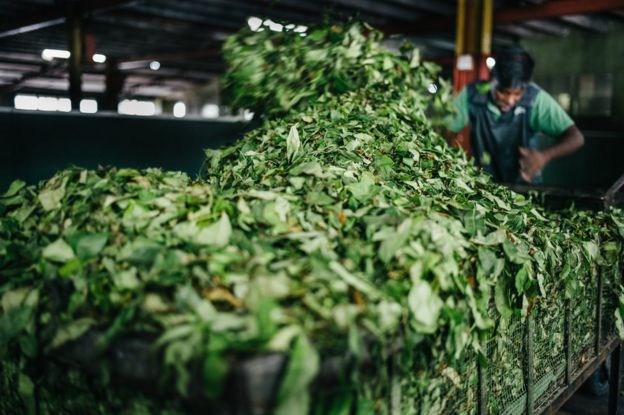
(506, 375)
(70, 392)
(58, 390)
(61, 389)
(584, 324)
(461, 392)
(611, 278)
(12, 401)
(549, 358)
(453, 390)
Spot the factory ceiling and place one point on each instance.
(164, 47)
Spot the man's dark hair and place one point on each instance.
(513, 68)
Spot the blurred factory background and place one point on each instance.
(136, 82)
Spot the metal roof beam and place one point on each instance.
(319, 9)
(55, 16)
(446, 45)
(432, 6)
(174, 74)
(18, 57)
(380, 9)
(501, 39)
(175, 56)
(517, 30)
(591, 23)
(189, 16)
(241, 10)
(502, 16)
(151, 23)
(298, 5)
(555, 8)
(550, 28)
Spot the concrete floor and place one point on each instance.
(583, 403)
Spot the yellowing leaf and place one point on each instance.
(51, 199)
(58, 251)
(425, 306)
(293, 143)
(217, 234)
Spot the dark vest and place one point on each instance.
(494, 142)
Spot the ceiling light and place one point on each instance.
(490, 62)
(154, 65)
(88, 106)
(179, 109)
(50, 54)
(210, 111)
(136, 107)
(98, 58)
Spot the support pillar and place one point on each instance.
(115, 80)
(617, 101)
(530, 366)
(6, 98)
(472, 48)
(76, 48)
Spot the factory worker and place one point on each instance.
(506, 114)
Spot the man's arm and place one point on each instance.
(533, 161)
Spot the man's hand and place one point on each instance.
(531, 163)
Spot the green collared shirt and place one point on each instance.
(546, 116)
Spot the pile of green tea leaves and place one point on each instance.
(272, 73)
(342, 226)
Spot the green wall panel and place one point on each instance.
(35, 145)
(596, 165)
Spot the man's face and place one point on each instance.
(507, 98)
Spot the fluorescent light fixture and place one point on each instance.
(490, 62)
(26, 102)
(154, 65)
(39, 103)
(88, 106)
(98, 58)
(53, 104)
(210, 111)
(64, 105)
(254, 23)
(47, 103)
(125, 66)
(464, 63)
(50, 54)
(179, 109)
(136, 107)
